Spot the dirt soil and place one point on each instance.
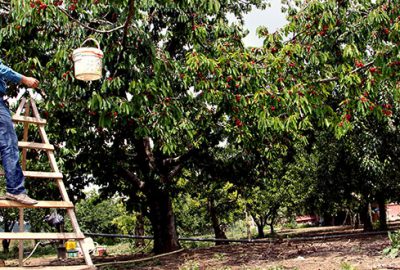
(362, 252)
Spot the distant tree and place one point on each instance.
(98, 215)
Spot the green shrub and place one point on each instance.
(393, 250)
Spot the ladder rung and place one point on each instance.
(34, 145)
(28, 119)
(31, 235)
(35, 174)
(41, 204)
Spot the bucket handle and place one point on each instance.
(92, 39)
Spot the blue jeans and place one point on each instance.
(9, 152)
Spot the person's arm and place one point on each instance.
(10, 75)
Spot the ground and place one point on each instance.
(346, 252)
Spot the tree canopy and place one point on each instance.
(178, 81)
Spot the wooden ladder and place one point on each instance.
(55, 174)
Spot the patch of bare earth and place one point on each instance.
(362, 252)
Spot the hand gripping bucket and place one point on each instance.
(88, 63)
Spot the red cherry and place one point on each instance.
(238, 98)
(386, 31)
(348, 117)
(238, 123)
(43, 6)
(272, 108)
(359, 64)
(373, 69)
(387, 112)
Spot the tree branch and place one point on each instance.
(175, 171)
(134, 178)
(126, 25)
(149, 154)
(88, 27)
(333, 79)
(128, 21)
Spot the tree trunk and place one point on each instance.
(365, 216)
(271, 225)
(139, 230)
(8, 227)
(271, 228)
(162, 220)
(260, 225)
(219, 233)
(382, 213)
(6, 246)
(260, 230)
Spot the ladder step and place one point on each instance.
(41, 236)
(41, 204)
(28, 119)
(34, 145)
(35, 174)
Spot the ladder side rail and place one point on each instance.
(21, 210)
(21, 106)
(64, 195)
(35, 109)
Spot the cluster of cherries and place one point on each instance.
(38, 4)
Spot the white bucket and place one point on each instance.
(88, 62)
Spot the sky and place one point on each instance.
(272, 18)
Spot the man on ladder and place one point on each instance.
(9, 152)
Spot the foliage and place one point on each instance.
(110, 216)
(347, 266)
(191, 216)
(393, 250)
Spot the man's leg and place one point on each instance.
(10, 158)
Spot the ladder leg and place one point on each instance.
(21, 210)
(21, 242)
(77, 230)
(85, 253)
(74, 223)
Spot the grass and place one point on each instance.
(347, 266)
